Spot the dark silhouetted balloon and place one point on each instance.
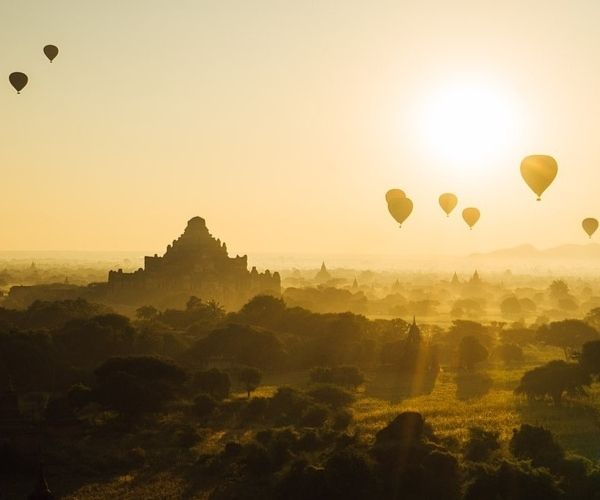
(589, 226)
(471, 216)
(539, 171)
(394, 194)
(448, 202)
(400, 209)
(18, 81)
(51, 52)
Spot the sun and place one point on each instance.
(467, 123)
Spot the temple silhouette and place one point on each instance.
(195, 264)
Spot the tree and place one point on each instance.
(471, 352)
(510, 353)
(554, 379)
(538, 445)
(137, 384)
(213, 382)
(346, 376)
(592, 318)
(558, 289)
(568, 334)
(88, 342)
(79, 396)
(509, 480)
(241, 344)
(204, 405)
(511, 307)
(250, 378)
(331, 395)
(146, 313)
(590, 357)
(463, 328)
(264, 310)
(481, 444)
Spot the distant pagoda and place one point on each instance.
(323, 275)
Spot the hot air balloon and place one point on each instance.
(394, 194)
(589, 226)
(51, 51)
(448, 202)
(18, 81)
(539, 171)
(400, 209)
(471, 216)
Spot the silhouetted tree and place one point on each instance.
(79, 396)
(511, 307)
(558, 289)
(213, 382)
(204, 405)
(510, 353)
(481, 444)
(568, 334)
(471, 352)
(347, 376)
(138, 384)
(146, 313)
(538, 445)
(554, 379)
(250, 378)
(512, 481)
(331, 395)
(592, 318)
(590, 357)
(240, 344)
(89, 342)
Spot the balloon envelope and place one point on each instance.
(51, 51)
(539, 171)
(394, 194)
(400, 209)
(448, 202)
(589, 225)
(18, 81)
(471, 216)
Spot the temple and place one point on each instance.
(194, 264)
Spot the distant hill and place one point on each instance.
(529, 252)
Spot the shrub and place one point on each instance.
(204, 405)
(331, 395)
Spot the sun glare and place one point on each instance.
(468, 123)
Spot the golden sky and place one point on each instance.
(283, 123)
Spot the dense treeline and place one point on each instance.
(110, 376)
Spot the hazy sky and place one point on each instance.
(283, 123)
